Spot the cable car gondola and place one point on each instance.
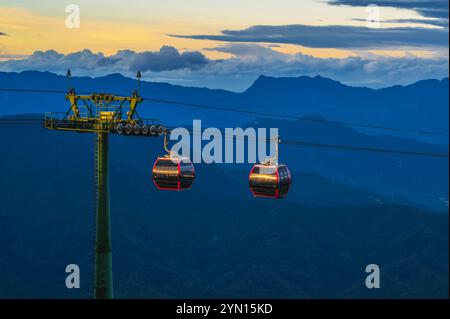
(270, 179)
(172, 171)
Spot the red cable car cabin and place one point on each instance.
(173, 173)
(269, 180)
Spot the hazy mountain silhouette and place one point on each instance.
(420, 106)
(344, 211)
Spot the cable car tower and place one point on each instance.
(103, 114)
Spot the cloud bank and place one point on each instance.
(248, 61)
(426, 8)
(431, 22)
(334, 36)
(166, 59)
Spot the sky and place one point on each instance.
(228, 44)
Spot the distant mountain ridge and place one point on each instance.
(423, 105)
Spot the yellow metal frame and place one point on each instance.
(103, 112)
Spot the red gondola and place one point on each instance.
(270, 179)
(172, 172)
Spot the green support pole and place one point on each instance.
(103, 281)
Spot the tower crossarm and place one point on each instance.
(103, 112)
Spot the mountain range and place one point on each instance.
(346, 209)
(421, 106)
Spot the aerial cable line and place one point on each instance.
(38, 121)
(343, 147)
(243, 111)
(227, 109)
(364, 149)
(286, 142)
(19, 121)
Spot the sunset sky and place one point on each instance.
(230, 41)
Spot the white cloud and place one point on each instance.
(238, 72)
